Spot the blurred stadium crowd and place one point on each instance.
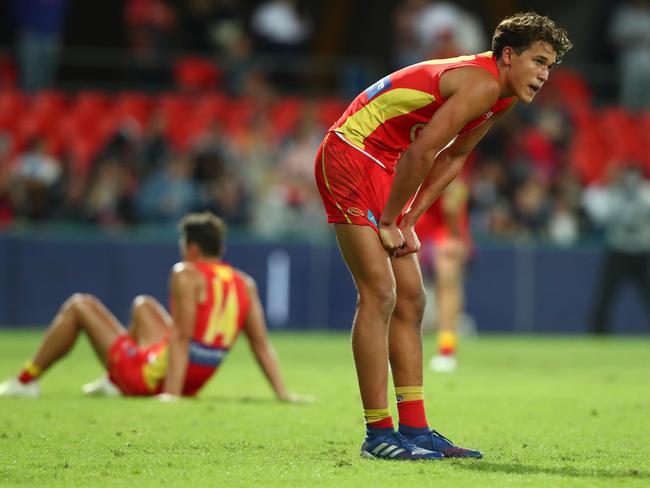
(234, 138)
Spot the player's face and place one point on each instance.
(530, 70)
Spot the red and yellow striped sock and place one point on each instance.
(410, 404)
(30, 372)
(378, 418)
(447, 342)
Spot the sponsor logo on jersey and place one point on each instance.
(355, 211)
(378, 87)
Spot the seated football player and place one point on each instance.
(165, 354)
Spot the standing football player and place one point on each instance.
(380, 166)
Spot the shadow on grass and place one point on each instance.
(232, 399)
(516, 468)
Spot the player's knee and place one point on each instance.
(381, 297)
(411, 303)
(142, 301)
(75, 300)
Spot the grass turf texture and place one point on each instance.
(545, 411)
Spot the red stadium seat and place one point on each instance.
(196, 74)
(239, 115)
(588, 155)
(618, 130)
(285, 115)
(134, 105)
(570, 86)
(12, 106)
(212, 106)
(91, 104)
(83, 151)
(330, 110)
(8, 72)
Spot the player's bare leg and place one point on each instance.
(373, 276)
(150, 322)
(81, 312)
(406, 360)
(405, 333)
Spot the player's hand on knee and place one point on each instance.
(411, 242)
(391, 238)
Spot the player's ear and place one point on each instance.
(506, 55)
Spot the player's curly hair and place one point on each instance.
(522, 29)
(206, 230)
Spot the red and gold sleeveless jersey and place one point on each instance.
(219, 320)
(384, 119)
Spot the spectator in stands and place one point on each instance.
(406, 42)
(204, 23)
(623, 210)
(149, 23)
(432, 30)
(531, 207)
(281, 30)
(110, 196)
(280, 27)
(563, 227)
(154, 150)
(169, 193)
(35, 176)
(290, 203)
(227, 196)
(565, 220)
(630, 32)
(39, 28)
(211, 154)
(239, 65)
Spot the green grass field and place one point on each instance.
(545, 411)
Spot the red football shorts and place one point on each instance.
(126, 363)
(354, 188)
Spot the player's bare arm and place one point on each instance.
(472, 92)
(258, 339)
(186, 286)
(447, 166)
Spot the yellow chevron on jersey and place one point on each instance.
(383, 120)
(393, 103)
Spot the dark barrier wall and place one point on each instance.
(509, 289)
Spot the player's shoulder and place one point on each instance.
(185, 271)
(474, 78)
(247, 279)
